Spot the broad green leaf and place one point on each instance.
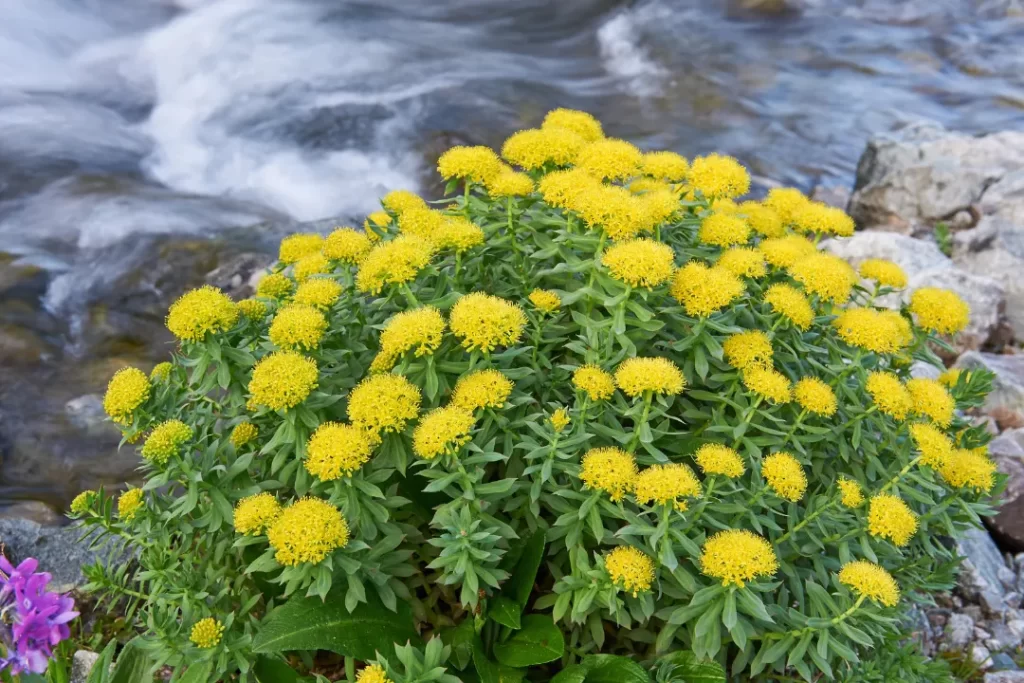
(102, 665)
(197, 673)
(520, 584)
(132, 666)
(614, 669)
(505, 611)
(460, 640)
(311, 624)
(270, 670)
(687, 668)
(539, 642)
(491, 671)
(577, 673)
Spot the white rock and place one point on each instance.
(959, 630)
(81, 664)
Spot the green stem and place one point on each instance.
(350, 669)
(583, 413)
(796, 425)
(807, 520)
(465, 199)
(747, 419)
(899, 475)
(648, 397)
(593, 272)
(407, 293)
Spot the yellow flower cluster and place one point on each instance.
(827, 276)
(939, 310)
(850, 493)
(969, 468)
(737, 557)
(713, 458)
(560, 420)
(718, 176)
(274, 286)
(283, 380)
(484, 322)
(889, 394)
(347, 246)
(166, 441)
(579, 122)
(609, 159)
(545, 300)
(611, 470)
(790, 302)
(297, 326)
(308, 266)
(640, 262)
(442, 430)
(127, 390)
(161, 372)
(889, 517)
(931, 399)
(630, 569)
(767, 383)
(129, 504)
(822, 219)
(743, 262)
(306, 532)
(871, 330)
(723, 230)
(597, 384)
(82, 503)
(536, 147)
(871, 580)
(420, 330)
(786, 202)
(703, 290)
(253, 514)
(748, 349)
(298, 246)
(337, 450)
(318, 292)
(374, 673)
(384, 403)
(478, 164)
(202, 311)
(666, 485)
(815, 396)
(458, 234)
(400, 201)
(665, 166)
(785, 476)
(783, 252)
(762, 219)
(510, 183)
(935, 447)
(206, 633)
(658, 375)
(253, 309)
(393, 263)
(885, 273)
(482, 389)
(243, 433)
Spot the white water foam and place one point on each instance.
(626, 59)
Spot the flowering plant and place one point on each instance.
(33, 620)
(591, 419)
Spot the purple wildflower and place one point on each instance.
(33, 620)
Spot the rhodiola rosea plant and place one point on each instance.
(592, 417)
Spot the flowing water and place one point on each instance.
(124, 121)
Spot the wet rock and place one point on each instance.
(237, 276)
(959, 631)
(82, 664)
(56, 548)
(33, 510)
(833, 195)
(86, 412)
(922, 173)
(1007, 450)
(21, 346)
(996, 250)
(979, 577)
(1004, 199)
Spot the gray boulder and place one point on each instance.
(1005, 677)
(82, 664)
(995, 249)
(1007, 394)
(979, 578)
(56, 548)
(1007, 451)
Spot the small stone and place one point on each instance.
(1004, 662)
(82, 664)
(961, 220)
(981, 634)
(1012, 599)
(981, 656)
(937, 619)
(1005, 676)
(974, 612)
(1007, 577)
(959, 630)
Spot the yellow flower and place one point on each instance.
(482, 389)
(783, 252)
(243, 433)
(790, 302)
(883, 272)
(889, 517)
(814, 395)
(400, 201)
(643, 186)
(295, 247)
(161, 372)
(424, 222)
(83, 502)
(748, 349)
(951, 376)
(253, 309)
(255, 513)
(665, 166)
(347, 245)
(274, 286)
(319, 292)
(889, 394)
(640, 263)
(611, 470)
(297, 326)
(850, 493)
(969, 468)
(665, 485)
(166, 441)
(459, 234)
(442, 430)
(785, 476)
(822, 219)
(201, 312)
(283, 380)
(713, 458)
(935, 446)
(421, 329)
(535, 147)
(478, 164)
(206, 633)
(609, 158)
(560, 420)
(867, 578)
(307, 531)
(659, 375)
(630, 569)
(621, 214)
(723, 230)
(374, 673)
(564, 189)
(719, 176)
(128, 389)
(939, 310)
(931, 399)
(579, 122)
(737, 557)
(545, 300)
(510, 183)
(377, 219)
(744, 262)
(703, 290)
(597, 384)
(762, 219)
(872, 330)
(484, 322)
(828, 276)
(384, 403)
(786, 202)
(394, 262)
(768, 383)
(129, 504)
(659, 206)
(337, 450)
(308, 266)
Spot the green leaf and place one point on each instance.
(305, 623)
(132, 666)
(520, 583)
(539, 642)
(102, 666)
(197, 673)
(687, 668)
(614, 669)
(491, 671)
(460, 640)
(505, 612)
(270, 670)
(577, 673)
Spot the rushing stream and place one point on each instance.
(123, 122)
